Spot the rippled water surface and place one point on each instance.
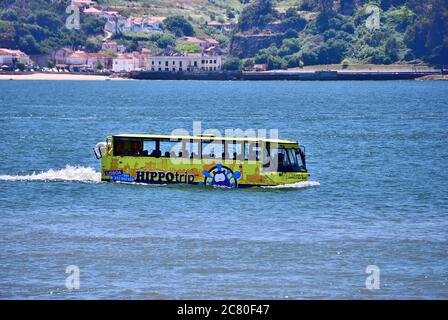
(378, 150)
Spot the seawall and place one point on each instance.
(282, 75)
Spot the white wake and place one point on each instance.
(69, 173)
(297, 185)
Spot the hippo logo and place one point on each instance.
(221, 176)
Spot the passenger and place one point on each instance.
(281, 158)
(167, 154)
(138, 149)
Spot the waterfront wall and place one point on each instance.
(282, 75)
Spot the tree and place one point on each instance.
(165, 41)
(179, 26)
(232, 64)
(332, 51)
(325, 6)
(427, 37)
(290, 12)
(48, 20)
(99, 65)
(391, 48)
(92, 25)
(290, 33)
(257, 15)
(271, 57)
(248, 64)
(20, 65)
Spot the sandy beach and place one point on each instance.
(55, 76)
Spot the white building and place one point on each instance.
(131, 62)
(192, 62)
(9, 57)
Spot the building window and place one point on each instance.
(195, 63)
(180, 63)
(152, 69)
(214, 61)
(211, 61)
(174, 63)
(174, 69)
(180, 69)
(160, 62)
(160, 69)
(203, 61)
(152, 62)
(166, 63)
(167, 69)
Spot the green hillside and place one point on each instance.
(329, 32)
(282, 34)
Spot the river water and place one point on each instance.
(378, 157)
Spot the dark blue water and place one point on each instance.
(378, 149)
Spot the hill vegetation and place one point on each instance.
(37, 26)
(328, 32)
(280, 33)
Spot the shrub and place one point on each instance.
(232, 64)
(179, 26)
(290, 33)
(188, 47)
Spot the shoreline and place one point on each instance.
(57, 76)
(317, 75)
(329, 75)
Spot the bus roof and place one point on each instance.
(203, 137)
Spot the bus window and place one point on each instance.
(149, 148)
(212, 149)
(234, 150)
(288, 160)
(170, 149)
(252, 151)
(128, 147)
(194, 149)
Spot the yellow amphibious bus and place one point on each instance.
(201, 160)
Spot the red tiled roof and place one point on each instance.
(92, 10)
(193, 39)
(215, 23)
(15, 53)
(153, 19)
(212, 41)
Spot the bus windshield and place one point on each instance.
(291, 160)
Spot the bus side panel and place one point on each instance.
(167, 170)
